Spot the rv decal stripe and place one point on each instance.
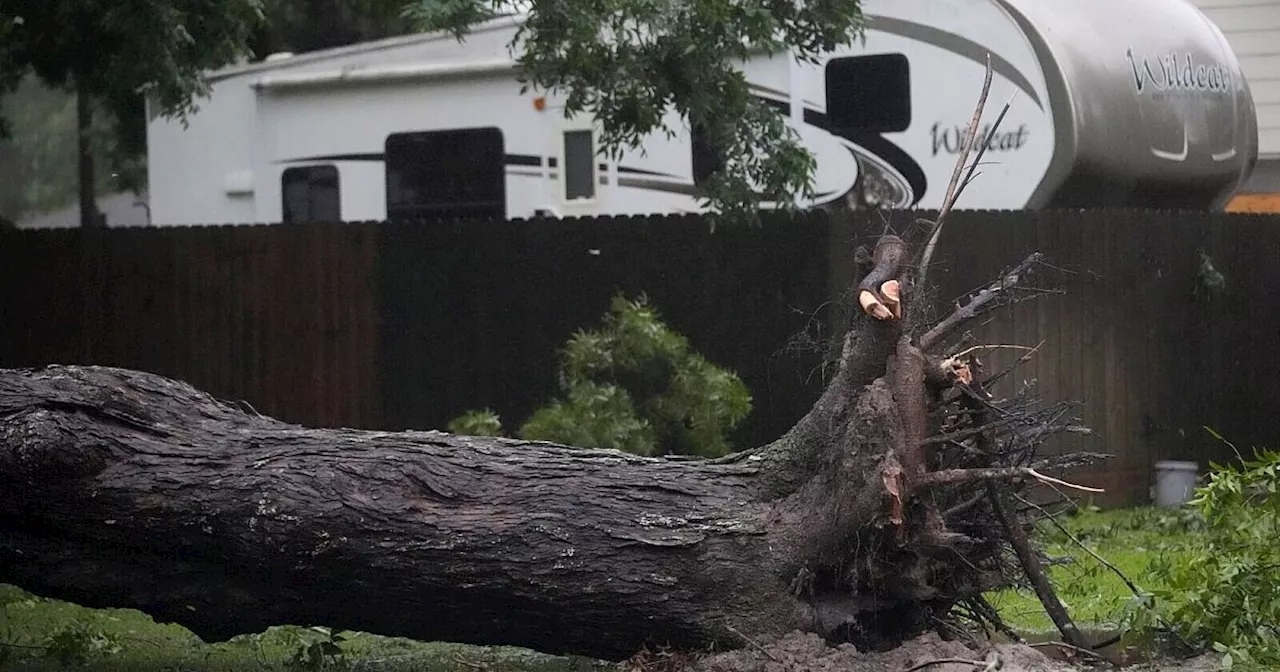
(655, 185)
(640, 171)
(882, 147)
(336, 157)
(524, 160)
(759, 89)
(781, 106)
(955, 44)
(510, 159)
(875, 143)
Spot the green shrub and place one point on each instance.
(1222, 593)
(636, 385)
(593, 415)
(477, 423)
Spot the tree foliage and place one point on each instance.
(630, 62)
(1221, 593)
(39, 154)
(10, 71)
(308, 25)
(39, 157)
(632, 384)
(112, 54)
(117, 50)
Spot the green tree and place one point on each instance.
(308, 25)
(632, 384)
(39, 156)
(117, 52)
(41, 146)
(628, 62)
(1219, 588)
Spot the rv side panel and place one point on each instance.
(945, 45)
(1163, 116)
(203, 174)
(348, 126)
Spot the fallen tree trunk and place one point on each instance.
(125, 489)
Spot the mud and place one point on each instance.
(804, 652)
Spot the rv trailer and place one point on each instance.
(1138, 103)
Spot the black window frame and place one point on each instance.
(319, 175)
(860, 104)
(475, 190)
(587, 162)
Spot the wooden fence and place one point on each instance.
(398, 325)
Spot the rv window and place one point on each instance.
(706, 160)
(869, 93)
(579, 159)
(459, 173)
(311, 194)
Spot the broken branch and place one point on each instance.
(976, 348)
(953, 189)
(958, 661)
(754, 644)
(1061, 528)
(880, 292)
(979, 302)
(977, 160)
(951, 476)
(1034, 571)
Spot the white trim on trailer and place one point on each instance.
(384, 75)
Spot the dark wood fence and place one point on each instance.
(397, 325)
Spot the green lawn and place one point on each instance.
(125, 640)
(33, 630)
(1095, 597)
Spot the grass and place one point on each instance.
(1094, 596)
(126, 640)
(35, 631)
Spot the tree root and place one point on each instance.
(952, 476)
(1035, 571)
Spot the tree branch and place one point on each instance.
(951, 476)
(979, 302)
(879, 292)
(953, 189)
(1133, 587)
(1034, 571)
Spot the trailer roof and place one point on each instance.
(502, 22)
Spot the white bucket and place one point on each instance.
(1175, 482)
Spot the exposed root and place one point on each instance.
(1133, 587)
(1035, 572)
(991, 663)
(952, 476)
(953, 189)
(953, 442)
(991, 296)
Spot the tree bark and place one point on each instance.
(125, 489)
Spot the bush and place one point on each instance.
(1222, 593)
(477, 423)
(633, 384)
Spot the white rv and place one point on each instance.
(1118, 103)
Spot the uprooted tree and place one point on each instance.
(880, 514)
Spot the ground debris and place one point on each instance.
(806, 652)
